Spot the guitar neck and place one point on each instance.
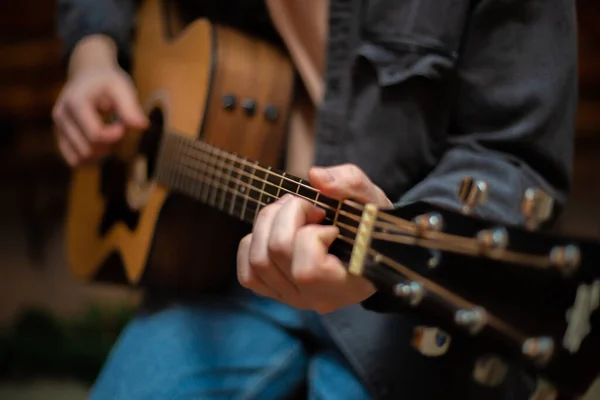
(235, 185)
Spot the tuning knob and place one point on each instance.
(538, 349)
(490, 371)
(472, 192)
(430, 341)
(537, 207)
(229, 101)
(249, 106)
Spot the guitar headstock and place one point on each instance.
(517, 293)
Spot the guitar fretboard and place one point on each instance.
(236, 185)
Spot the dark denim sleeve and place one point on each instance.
(115, 18)
(514, 116)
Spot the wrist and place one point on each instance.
(92, 52)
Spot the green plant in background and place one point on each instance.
(39, 344)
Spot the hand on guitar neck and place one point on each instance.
(96, 87)
(287, 258)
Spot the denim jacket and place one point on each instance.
(419, 94)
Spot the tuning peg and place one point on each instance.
(539, 349)
(492, 239)
(412, 292)
(472, 192)
(435, 259)
(565, 258)
(490, 371)
(430, 341)
(537, 207)
(428, 222)
(472, 319)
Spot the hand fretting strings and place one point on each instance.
(212, 168)
(201, 170)
(208, 168)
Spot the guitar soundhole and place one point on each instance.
(115, 175)
(151, 140)
(113, 187)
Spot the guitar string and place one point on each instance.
(533, 261)
(215, 152)
(252, 177)
(413, 241)
(463, 245)
(452, 298)
(540, 262)
(465, 248)
(215, 183)
(397, 223)
(445, 294)
(202, 161)
(469, 246)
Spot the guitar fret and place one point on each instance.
(289, 186)
(215, 188)
(216, 181)
(196, 173)
(235, 188)
(187, 180)
(200, 174)
(260, 191)
(247, 190)
(272, 188)
(345, 223)
(337, 213)
(184, 173)
(280, 186)
(177, 170)
(232, 184)
(207, 177)
(225, 182)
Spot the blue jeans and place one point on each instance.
(236, 346)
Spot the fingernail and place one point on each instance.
(324, 174)
(284, 198)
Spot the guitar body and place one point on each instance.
(206, 82)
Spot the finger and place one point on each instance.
(66, 128)
(325, 281)
(261, 263)
(67, 151)
(113, 126)
(127, 105)
(294, 214)
(245, 275)
(347, 182)
(78, 143)
(311, 250)
(89, 122)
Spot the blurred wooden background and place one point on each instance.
(33, 178)
(582, 215)
(31, 76)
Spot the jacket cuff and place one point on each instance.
(78, 23)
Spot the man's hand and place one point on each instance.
(96, 87)
(286, 256)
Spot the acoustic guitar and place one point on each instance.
(170, 206)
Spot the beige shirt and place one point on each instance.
(302, 25)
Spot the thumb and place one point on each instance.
(127, 106)
(347, 182)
